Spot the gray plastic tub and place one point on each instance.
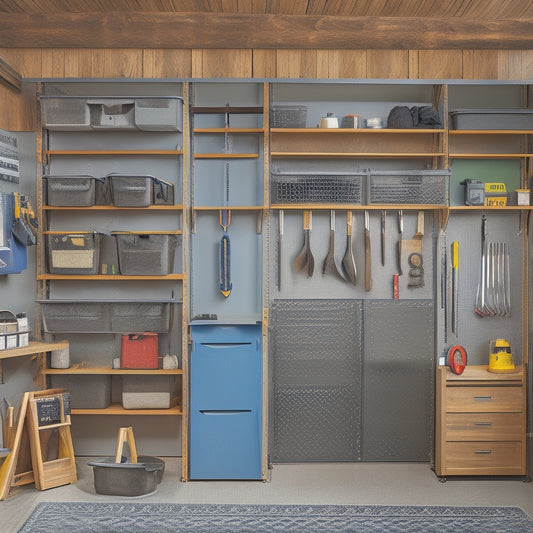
(73, 191)
(146, 392)
(145, 253)
(140, 316)
(127, 479)
(69, 113)
(492, 119)
(161, 113)
(112, 113)
(73, 253)
(86, 391)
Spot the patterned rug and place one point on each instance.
(161, 517)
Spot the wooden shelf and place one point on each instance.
(226, 156)
(34, 347)
(402, 155)
(489, 156)
(104, 370)
(117, 409)
(108, 277)
(177, 207)
(143, 232)
(491, 208)
(356, 131)
(490, 132)
(228, 130)
(113, 152)
(359, 207)
(232, 110)
(229, 208)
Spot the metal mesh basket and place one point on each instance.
(328, 187)
(288, 116)
(409, 187)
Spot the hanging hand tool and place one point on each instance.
(348, 261)
(224, 218)
(444, 288)
(305, 262)
(413, 247)
(400, 232)
(383, 219)
(281, 217)
(368, 254)
(330, 263)
(455, 288)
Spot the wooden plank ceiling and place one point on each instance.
(328, 24)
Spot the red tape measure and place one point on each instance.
(457, 359)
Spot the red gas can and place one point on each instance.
(139, 350)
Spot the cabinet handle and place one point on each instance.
(224, 344)
(224, 411)
(482, 423)
(482, 398)
(482, 452)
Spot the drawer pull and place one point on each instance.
(483, 452)
(483, 398)
(482, 423)
(224, 411)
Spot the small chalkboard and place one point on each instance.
(49, 409)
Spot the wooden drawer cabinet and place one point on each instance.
(480, 422)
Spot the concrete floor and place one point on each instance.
(346, 483)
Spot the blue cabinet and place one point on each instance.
(225, 402)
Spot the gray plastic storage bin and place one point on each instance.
(492, 119)
(163, 192)
(75, 316)
(428, 187)
(73, 191)
(145, 253)
(131, 190)
(112, 113)
(161, 113)
(146, 392)
(288, 116)
(65, 113)
(149, 316)
(86, 391)
(73, 253)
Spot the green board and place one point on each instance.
(486, 170)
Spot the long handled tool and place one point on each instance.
(330, 262)
(281, 217)
(368, 254)
(383, 220)
(305, 262)
(224, 217)
(348, 261)
(400, 237)
(455, 288)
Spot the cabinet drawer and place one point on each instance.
(484, 399)
(484, 426)
(504, 458)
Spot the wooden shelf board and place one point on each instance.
(226, 156)
(117, 409)
(33, 348)
(227, 208)
(356, 131)
(113, 152)
(402, 155)
(177, 207)
(108, 370)
(491, 132)
(491, 208)
(233, 110)
(229, 130)
(155, 232)
(108, 277)
(359, 207)
(489, 156)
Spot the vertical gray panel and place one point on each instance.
(398, 381)
(316, 350)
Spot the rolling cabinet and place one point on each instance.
(480, 422)
(227, 204)
(129, 136)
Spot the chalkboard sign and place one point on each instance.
(49, 409)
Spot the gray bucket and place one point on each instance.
(127, 479)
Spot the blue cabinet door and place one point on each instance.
(226, 401)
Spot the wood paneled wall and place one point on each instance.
(16, 113)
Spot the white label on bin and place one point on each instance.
(72, 259)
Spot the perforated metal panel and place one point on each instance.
(316, 348)
(398, 386)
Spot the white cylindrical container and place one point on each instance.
(60, 358)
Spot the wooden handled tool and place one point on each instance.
(348, 261)
(368, 254)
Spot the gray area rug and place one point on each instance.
(161, 517)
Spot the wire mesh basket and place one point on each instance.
(288, 116)
(321, 187)
(409, 187)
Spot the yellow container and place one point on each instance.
(500, 357)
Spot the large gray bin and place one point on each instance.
(145, 253)
(69, 113)
(131, 190)
(161, 113)
(492, 119)
(72, 191)
(73, 253)
(112, 113)
(140, 316)
(87, 391)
